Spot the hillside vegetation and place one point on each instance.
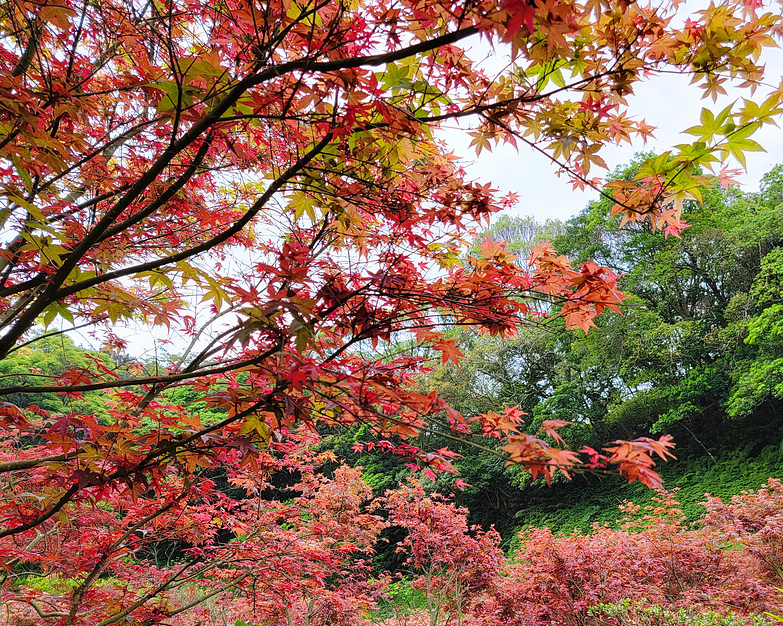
(697, 353)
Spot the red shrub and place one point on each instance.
(653, 558)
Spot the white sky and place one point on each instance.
(667, 102)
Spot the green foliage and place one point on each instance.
(699, 345)
(520, 233)
(40, 362)
(588, 500)
(400, 598)
(187, 397)
(757, 374)
(629, 613)
(56, 585)
(697, 352)
(51, 584)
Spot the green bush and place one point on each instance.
(629, 613)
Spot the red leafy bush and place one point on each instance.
(654, 558)
(754, 519)
(452, 562)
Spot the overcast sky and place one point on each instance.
(668, 102)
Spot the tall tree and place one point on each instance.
(143, 145)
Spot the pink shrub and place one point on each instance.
(654, 558)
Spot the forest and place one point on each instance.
(270, 356)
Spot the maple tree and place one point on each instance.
(105, 570)
(452, 562)
(262, 179)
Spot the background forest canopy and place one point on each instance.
(695, 353)
(276, 163)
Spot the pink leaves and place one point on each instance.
(452, 561)
(653, 561)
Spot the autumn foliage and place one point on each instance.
(654, 559)
(260, 183)
(451, 562)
